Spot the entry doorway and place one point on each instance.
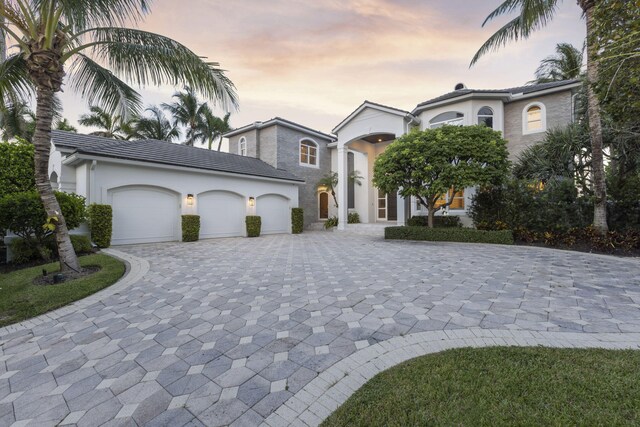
(387, 206)
(323, 205)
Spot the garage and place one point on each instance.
(221, 213)
(275, 213)
(144, 214)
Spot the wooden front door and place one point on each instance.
(392, 206)
(324, 206)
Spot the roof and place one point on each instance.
(166, 153)
(375, 106)
(282, 122)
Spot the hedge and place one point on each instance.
(465, 235)
(190, 228)
(100, 223)
(438, 221)
(297, 220)
(23, 251)
(254, 224)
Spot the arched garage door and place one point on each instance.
(275, 213)
(222, 214)
(144, 215)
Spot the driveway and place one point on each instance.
(225, 331)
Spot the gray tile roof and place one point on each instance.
(166, 153)
(279, 121)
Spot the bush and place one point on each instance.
(439, 221)
(81, 244)
(100, 223)
(587, 238)
(254, 224)
(465, 235)
(297, 220)
(331, 222)
(26, 250)
(190, 228)
(353, 218)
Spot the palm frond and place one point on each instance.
(15, 82)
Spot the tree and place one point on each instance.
(330, 182)
(66, 126)
(17, 120)
(566, 64)
(188, 112)
(109, 125)
(431, 163)
(54, 38)
(533, 15)
(212, 127)
(156, 126)
(16, 167)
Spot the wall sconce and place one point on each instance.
(252, 201)
(190, 199)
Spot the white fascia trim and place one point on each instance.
(480, 95)
(76, 158)
(271, 122)
(364, 105)
(519, 96)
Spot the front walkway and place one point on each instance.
(225, 331)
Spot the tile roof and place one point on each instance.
(280, 121)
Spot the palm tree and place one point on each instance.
(157, 126)
(188, 112)
(66, 126)
(566, 64)
(330, 182)
(212, 127)
(109, 125)
(533, 15)
(55, 38)
(17, 120)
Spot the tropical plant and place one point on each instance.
(330, 182)
(533, 15)
(16, 167)
(155, 126)
(54, 38)
(566, 64)
(109, 125)
(17, 120)
(188, 111)
(212, 128)
(65, 125)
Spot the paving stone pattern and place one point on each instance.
(224, 332)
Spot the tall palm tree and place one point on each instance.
(188, 112)
(65, 125)
(55, 38)
(531, 16)
(212, 128)
(155, 126)
(17, 120)
(566, 64)
(109, 125)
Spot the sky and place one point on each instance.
(315, 61)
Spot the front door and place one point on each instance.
(324, 206)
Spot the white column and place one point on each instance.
(342, 189)
(401, 215)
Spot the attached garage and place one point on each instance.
(221, 213)
(275, 213)
(144, 214)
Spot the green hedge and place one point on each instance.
(438, 221)
(465, 235)
(254, 224)
(297, 220)
(100, 223)
(23, 251)
(190, 228)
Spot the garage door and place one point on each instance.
(221, 214)
(275, 214)
(144, 215)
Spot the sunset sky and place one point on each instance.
(314, 62)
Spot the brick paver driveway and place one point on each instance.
(225, 331)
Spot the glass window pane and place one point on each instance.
(304, 158)
(382, 203)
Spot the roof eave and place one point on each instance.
(367, 104)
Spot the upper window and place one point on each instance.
(308, 153)
(452, 118)
(242, 146)
(534, 119)
(485, 117)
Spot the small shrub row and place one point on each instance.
(190, 228)
(438, 221)
(24, 250)
(587, 238)
(254, 225)
(100, 223)
(451, 234)
(297, 220)
(331, 222)
(353, 218)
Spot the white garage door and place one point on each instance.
(221, 214)
(144, 215)
(275, 214)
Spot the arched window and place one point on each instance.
(452, 118)
(534, 118)
(308, 153)
(485, 117)
(54, 180)
(242, 146)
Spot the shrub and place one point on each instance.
(16, 167)
(353, 218)
(297, 220)
(587, 238)
(190, 228)
(25, 250)
(331, 222)
(438, 221)
(100, 223)
(465, 235)
(81, 244)
(254, 224)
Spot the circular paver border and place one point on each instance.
(137, 268)
(331, 388)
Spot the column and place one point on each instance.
(402, 217)
(342, 189)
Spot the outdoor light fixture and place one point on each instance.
(252, 201)
(190, 199)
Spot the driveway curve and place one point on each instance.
(225, 331)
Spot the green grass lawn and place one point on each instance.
(20, 299)
(501, 386)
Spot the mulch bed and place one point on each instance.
(584, 248)
(49, 278)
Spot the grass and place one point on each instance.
(501, 386)
(20, 299)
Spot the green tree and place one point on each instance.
(330, 182)
(155, 126)
(65, 125)
(428, 164)
(109, 125)
(188, 111)
(212, 128)
(566, 64)
(16, 167)
(531, 16)
(17, 120)
(54, 38)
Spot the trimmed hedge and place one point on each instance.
(23, 251)
(297, 220)
(464, 235)
(190, 228)
(438, 221)
(254, 224)
(100, 223)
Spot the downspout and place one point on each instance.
(92, 181)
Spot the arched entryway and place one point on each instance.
(323, 205)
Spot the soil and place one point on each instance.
(48, 279)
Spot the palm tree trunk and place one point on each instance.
(220, 143)
(595, 127)
(42, 142)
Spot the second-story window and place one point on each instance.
(308, 153)
(485, 117)
(451, 118)
(534, 118)
(242, 146)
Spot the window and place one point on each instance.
(351, 186)
(458, 200)
(452, 118)
(308, 153)
(485, 117)
(534, 119)
(242, 146)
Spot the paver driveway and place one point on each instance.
(225, 331)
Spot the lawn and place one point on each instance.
(501, 386)
(20, 299)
